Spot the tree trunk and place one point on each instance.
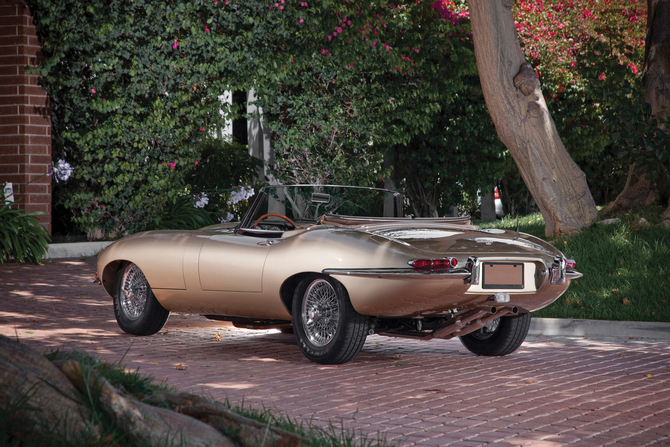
(656, 78)
(640, 192)
(523, 123)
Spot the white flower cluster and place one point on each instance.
(228, 218)
(240, 193)
(61, 170)
(201, 200)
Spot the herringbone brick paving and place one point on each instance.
(553, 391)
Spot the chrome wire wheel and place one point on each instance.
(134, 292)
(320, 312)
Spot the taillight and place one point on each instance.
(442, 263)
(570, 264)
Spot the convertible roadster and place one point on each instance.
(335, 264)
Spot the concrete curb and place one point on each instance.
(75, 249)
(599, 328)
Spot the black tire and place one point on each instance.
(326, 326)
(504, 339)
(135, 306)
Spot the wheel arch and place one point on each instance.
(108, 275)
(287, 289)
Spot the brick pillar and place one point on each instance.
(25, 123)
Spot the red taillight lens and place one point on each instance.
(421, 263)
(442, 263)
(570, 263)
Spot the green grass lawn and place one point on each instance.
(626, 269)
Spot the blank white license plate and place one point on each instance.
(503, 275)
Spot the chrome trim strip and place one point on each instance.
(400, 273)
(573, 275)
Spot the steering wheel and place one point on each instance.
(276, 215)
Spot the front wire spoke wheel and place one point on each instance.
(320, 312)
(134, 292)
(136, 308)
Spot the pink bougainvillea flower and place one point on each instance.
(277, 5)
(390, 101)
(172, 165)
(351, 65)
(291, 60)
(206, 30)
(175, 44)
(330, 37)
(93, 90)
(301, 20)
(201, 129)
(196, 162)
(281, 7)
(334, 33)
(216, 3)
(104, 99)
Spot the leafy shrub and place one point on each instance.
(134, 86)
(21, 236)
(181, 215)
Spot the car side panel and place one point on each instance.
(234, 304)
(232, 263)
(158, 254)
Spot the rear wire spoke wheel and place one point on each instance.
(500, 336)
(326, 326)
(136, 309)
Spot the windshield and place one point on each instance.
(305, 204)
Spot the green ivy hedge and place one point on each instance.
(135, 86)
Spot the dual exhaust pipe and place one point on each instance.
(462, 324)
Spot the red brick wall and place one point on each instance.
(25, 123)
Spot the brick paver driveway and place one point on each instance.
(553, 391)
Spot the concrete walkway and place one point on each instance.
(553, 391)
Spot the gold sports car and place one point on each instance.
(335, 264)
